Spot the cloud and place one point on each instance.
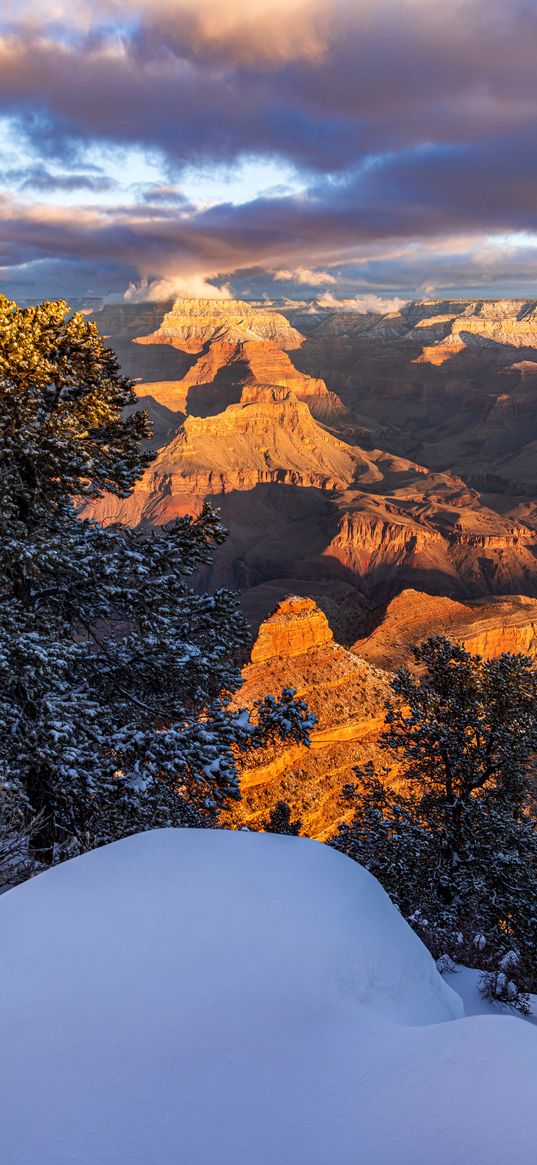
(362, 304)
(272, 33)
(177, 77)
(410, 126)
(275, 32)
(38, 178)
(165, 192)
(177, 287)
(164, 250)
(304, 275)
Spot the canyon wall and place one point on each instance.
(375, 519)
(485, 628)
(295, 648)
(347, 691)
(416, 474)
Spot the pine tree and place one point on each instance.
(279, 821)
(456, 845)
(115, 675)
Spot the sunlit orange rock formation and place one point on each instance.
(296, 648)
(296, 627)
(348, 690)
(189, 324)
(484, 628)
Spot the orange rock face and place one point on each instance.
(192, 323)
(485, 628)
(268, 437)
(224, 370)
(295, 648)
(347, 691)
(296, 627)
(437, 354)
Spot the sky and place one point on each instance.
(341, 149)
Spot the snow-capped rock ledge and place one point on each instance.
(195, 997)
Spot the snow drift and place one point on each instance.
(218, 998)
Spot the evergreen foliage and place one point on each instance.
(456, 845)
(115, 675)
(279, 821)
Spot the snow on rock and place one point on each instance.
(190, 997)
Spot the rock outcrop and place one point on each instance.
(296, 627)
(295, 648)
(348, 612)
(348, 690)
(192, 323)
(220, 374)
(485, 628)
(268, 437)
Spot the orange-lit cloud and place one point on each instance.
(175, 287)
(304, 275)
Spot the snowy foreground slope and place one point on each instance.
(192, 997)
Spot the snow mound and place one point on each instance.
(190, 997)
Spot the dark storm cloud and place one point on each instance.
(389, 76)
(400, 199)
(39, 178)
(408, 120)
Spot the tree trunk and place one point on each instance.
(40, 793)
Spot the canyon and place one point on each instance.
(450, 383)
(377, 475)
(264, 410)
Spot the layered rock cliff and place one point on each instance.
(485, 628)
(296, 627)
(295, 648)
(299, 502)
(268, 437)
(192, 323)
(224, 369)
(510, 323)
(348, 690)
